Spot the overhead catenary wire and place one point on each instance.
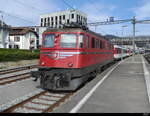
(24, 4)
(18, 17)
(68, 4)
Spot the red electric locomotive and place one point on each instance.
(71, 56)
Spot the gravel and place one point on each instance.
(57, 95)
(25, 110)
(17, 73)
(13, 83)
(43, 101)
(50, 98)
(18, 100)
(38, 106)
(11, 79)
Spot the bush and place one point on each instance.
(17, 55)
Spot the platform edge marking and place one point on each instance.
(147, 78)
(89, 94)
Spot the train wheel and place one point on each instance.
(93, 74)
(57, 81)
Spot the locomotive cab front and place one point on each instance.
(60, 50)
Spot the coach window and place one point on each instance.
(49, 41)
(93, 42)
(68, 41)
(81, 41)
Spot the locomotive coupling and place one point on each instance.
(36, 75)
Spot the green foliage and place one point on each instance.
(16, 55)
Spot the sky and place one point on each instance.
(27, 12)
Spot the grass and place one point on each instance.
(17, 55)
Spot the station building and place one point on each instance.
(22, 38)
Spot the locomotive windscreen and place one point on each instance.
(49, 40)
(68, 41)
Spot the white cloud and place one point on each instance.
(97, 11)
(143, 11)
(28, 10)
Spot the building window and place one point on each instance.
(52, 24)
(41, 20)
(48, 19)
(17, 39)
(56, 18)
(60, 17)
(16, 46)
(45, 19)
(72, 16)
(64, 17)
(52, 18)
(77, 18)
(60, 22)
(48, 24)
(44, 24)
(56, 23)
(10, 46)
(68, 21)
(9, 39)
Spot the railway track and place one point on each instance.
(44, 102)
(10, 79)
(2, 72)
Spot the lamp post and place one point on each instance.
(122, 41)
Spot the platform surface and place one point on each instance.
(123, 91)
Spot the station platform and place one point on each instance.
(123, 88)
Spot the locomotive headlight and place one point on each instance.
(43, 63)
(70, 64)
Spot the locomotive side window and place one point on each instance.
(49, 40)
(101, 47)
(97, 43)
(68, 41)
(93, 42)
(87, 44)
(81, 41)
(102, 44)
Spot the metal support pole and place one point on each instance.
(133, 40)
(122, 42)
(122, 45)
